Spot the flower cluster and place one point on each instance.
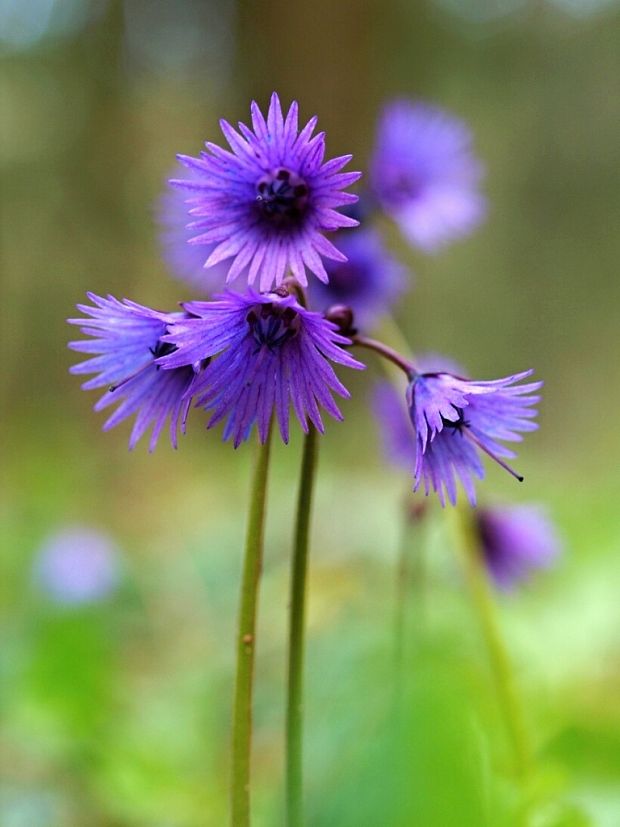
(271, 353)
(263, 208)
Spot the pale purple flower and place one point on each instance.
(267, 204)
(515, 541)
(185, 261)
(456, 418)
(77, 565)
(127, 338)
(269, 352)
(369, 281)
(425, 174)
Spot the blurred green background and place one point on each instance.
(117, 714)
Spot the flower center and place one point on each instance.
(458, 424)
(271, 325)
(282, 196)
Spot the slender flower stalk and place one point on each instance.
(246, 641)
(482, 600)
(294, 705)
(410, 581)
(387, 352)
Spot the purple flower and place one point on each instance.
(185, 261)
(390, 408)
(270, 352)
(425, 174)
(515, 541)
(455, 418)
(368, 282)
(77, 565)
(267, 203)
(127, 340)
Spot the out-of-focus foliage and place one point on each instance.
(118, 713)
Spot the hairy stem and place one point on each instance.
(246, 641)
(294, 705)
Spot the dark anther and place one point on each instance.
(272, 325)
(162, 349)
(282, 196)
(456, 425)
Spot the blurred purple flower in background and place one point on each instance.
(267, 203)
(272, 352)
(369, 281)
(185, 261)
(425, 175)
(127, 339)
(454, 418)
(77, 565)
(516, 540)
(397, 433)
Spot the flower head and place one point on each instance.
(390, 409)
(77, 565)
(368, 282)
(515, 541)
(267, 203)
(270, 352)
(425, 174)
(455, 419)
(127, 339)
(185, 261)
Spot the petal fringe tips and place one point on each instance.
(425, 175)
(126, 341)
(267, 202)
(270, 352)
(455, 419)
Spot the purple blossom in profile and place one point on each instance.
(455, 419)
(185, 261)
(77, 565)
(390, 409)
(515, 541)
(425, 174)
(127, 339)
(369, 281)
(267, 204)
(270, 352)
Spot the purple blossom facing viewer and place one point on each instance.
(270, 352)
(77, 565)
(185, 261)
(455, 419)
(425, 175)
(369, 281)
(515, 541)
(267, 204)
(127, 338)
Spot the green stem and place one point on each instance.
(246, 641)
(498, 656)
(403, 576)
(294, 705)
(410, 577)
